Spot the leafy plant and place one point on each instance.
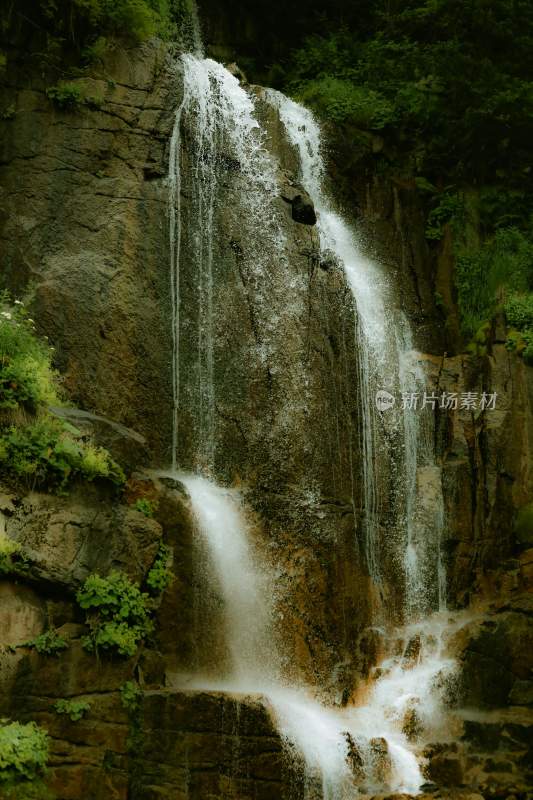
(450, 208)
(117, 613)
(497, 271)
(27, 379)
(145, 506)
(66, 96)
(12, 557)
(130, 696)
(45, 454)
(49, 643)
(23, 751)
(342, 101)
(160, 575)
(75, 709)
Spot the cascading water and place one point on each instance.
(220, 116)
(364, 746)
(385, 354)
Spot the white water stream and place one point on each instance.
(364, 746)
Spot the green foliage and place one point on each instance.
(23, 751)
(117, 613)
(500, 268)
(49, 643)
(75, 709)
(449, 209)
(45, 454)
(160, 576)
(87, 23)
(130, 696)
(519, 311)
(36, 448)
(12, 557)
(8, 113)
(27, 379)
(145, 506)
(451, 76)
(342, 101)
(66, 96)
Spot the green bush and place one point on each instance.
(341, 101)
(449, 209)
(45, 454)
(118, 613)
(23, 751)
(160, 576)
(12, 557)
(48, 643)
(492, 274)
(75, 709)
(130, 696)
(519, 311)
(27, 379)
(66, 96)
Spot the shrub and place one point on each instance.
(12, 557)
(49, 643)
(23, 751)
(342, 101)
(27, 379)
(160, 576)
(501, 269)
(519, 311)
(75, 709)
(66, 96)
(130, 696)
(450, 208)
(117, 613)
(44, 453)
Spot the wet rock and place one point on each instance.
(522, 693)
(303, 210)
(381, 761)
(129, 448)
(412, 651)
(67, 538)
(237, 72)
(355, 759)
(412, 726)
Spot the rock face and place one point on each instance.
(83, 222)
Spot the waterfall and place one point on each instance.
(365, 746)
(218, 116)
(242, 581)
(385, 350)
(362, 747)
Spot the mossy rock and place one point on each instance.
(524, 525)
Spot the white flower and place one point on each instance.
(6, 314)
(19, 303)
(31, 321)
